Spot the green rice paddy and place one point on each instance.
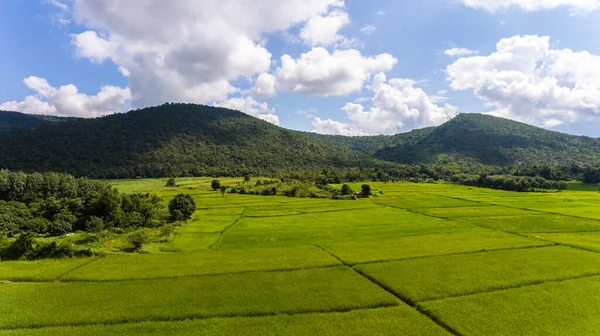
(417, 259)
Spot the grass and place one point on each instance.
(318, 228)
(556, 308)
(428, 245)
(257, 265)
(402, 321)
(440, 277)
(250, 294)
(535, 223)
(39, 270)
(148, 266)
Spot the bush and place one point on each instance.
(167, 231)
(247, 178)
(346, 190)
(215, 184)
(171, 183)
(59, 228)
(182, 207)
(94, 225)
(22, 247)
(366, 190)
(138, 238)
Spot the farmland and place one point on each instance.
(416, 259)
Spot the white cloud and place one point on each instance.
(68, 101)
(368, 29)
(401, 83)
(250, 106)
(533, 5)
(527, 80)
(322, 30)
(454, 52)
(392, 110)
(264, 85)
(187, 50)
(320, 73)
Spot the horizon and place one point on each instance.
(334, 67)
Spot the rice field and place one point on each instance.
(417, 259)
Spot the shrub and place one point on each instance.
(138, 238)
(167, 231)
(366, 190)
(346, 190)
(22, 247)
(215, 184)
(223, 190)
(171, 183)
(94, 225)
(182, 207)
(247, 178)
(59, 228)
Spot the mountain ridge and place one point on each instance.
(176, 139)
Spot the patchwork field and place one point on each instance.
(417, 259)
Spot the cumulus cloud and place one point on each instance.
(199, 50)
(454, 52)
(322, 73)
(264, 85)
(393, 109)
(250, 106)
(533, 5)
(68, 101)
(323, 30)
(524, 79)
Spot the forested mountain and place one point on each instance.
(188, 139)
(497, 141)
(15, 121)
(171, 139)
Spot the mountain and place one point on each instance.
(15, 121)
(188, 139)
(171, 139)
(495, 141)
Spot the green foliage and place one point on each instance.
(215, 184)
(171, 183)
(366, 190)
(138, 238)
(346, 190)
(94, 225)
(182, 207)
(56, 204)
(508, 182)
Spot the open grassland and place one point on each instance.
(416, 259)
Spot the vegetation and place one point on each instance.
(400, 262)
(182, 207)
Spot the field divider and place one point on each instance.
(523, 285)
(531, 237)
(457, 253)
(395, 294)
(203, 317)
(196, 275)
(222, 232)
(59, 278)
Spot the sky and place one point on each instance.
(349, 67)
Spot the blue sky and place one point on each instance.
(69, 58)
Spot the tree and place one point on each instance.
(223, 189)
(94, 225)
(216, 184)
(182, 207)
(247, 178)
(171, 183)
(346, 190)
(138, 238)
(366, 190)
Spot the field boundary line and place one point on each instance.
(550, 244)
(524, 285)
(222, 232)
(59, 278)
(396, 295)
(192, 275)
(204, 317)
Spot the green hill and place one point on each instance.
(188, 139)
(15, 121)
(171, 139)
(494, 141)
